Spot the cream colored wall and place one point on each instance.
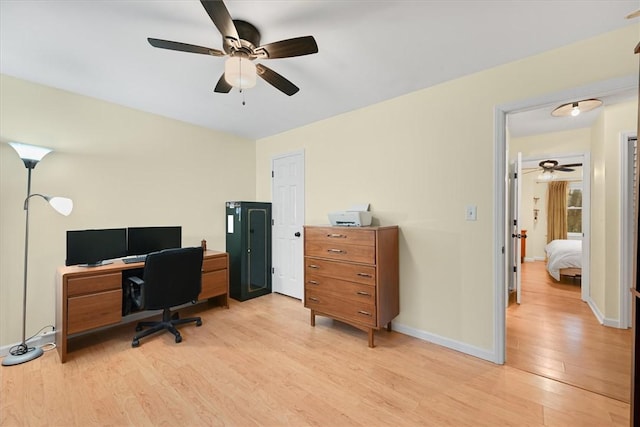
(618, 118)
(121, 167)
(419, 159)
(536, 146)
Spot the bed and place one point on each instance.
(564, 257)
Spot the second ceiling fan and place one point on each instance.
(241, 42)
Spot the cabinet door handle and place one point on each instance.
(313, 299)
(336, 236)
(364, 293)
(365, 313)
(364, 275)
(313, 282)
(336, 251)
(313, 266)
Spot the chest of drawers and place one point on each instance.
(351, 275)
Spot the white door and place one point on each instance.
(515, 267)
(287, 191)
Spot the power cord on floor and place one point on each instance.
(23, 348)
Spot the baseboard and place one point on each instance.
(612, 323)
(38, 341)
(446, 342)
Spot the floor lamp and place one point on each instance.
(31, 155)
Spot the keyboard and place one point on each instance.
(131, 260)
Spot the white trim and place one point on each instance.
(499, 177)
(444, 342)
(626, 242)
(612, 323)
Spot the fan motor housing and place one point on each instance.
(249, 38)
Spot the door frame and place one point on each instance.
(627, 225)
(500, 178)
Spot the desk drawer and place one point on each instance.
(344, 235)
(212, 264)
(92, 311)
(340, 251)
(352, 272)
(214, 283)
(92, 284)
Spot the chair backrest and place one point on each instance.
(172, 277)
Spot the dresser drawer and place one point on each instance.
(92, 311)
(214, 283)
(93, 284)
(212, 264)
(351, 272)
(325, 303)
(340, 251)
(356, 292)
(350, 236)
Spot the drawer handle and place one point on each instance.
(313, 299)
(336, 251)
(313, 266)
(364, 275)
(336, 236)
(364, 293)
(313, 282)
(365, 313)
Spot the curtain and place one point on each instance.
(557, 210)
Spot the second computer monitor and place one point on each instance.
(144, 240)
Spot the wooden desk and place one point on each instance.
(88, 298)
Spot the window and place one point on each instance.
(574, 208)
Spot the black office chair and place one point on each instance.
(171, 277)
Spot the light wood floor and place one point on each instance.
(554, 333)
(260, 363)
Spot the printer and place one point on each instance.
(355, 216)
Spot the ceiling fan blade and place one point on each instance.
(276, 80)
(570, 165)
(222, 19)
(298, 46)
(222, 86)
(563, 169)
(183, 47)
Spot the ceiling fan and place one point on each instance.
(241, 42)
(552, 165)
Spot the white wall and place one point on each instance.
(121, 167)
(419, 159)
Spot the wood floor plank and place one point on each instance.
(260, 363)
(555, 334)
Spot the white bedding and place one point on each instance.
(563, 254)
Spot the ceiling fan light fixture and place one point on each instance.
(575, 108)
(546, 176)
(240, 72)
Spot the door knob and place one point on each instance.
(297, 234)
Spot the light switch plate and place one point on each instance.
(471, 213)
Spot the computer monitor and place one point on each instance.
(144, 240)
(92, 247)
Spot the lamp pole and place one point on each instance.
(31, 155)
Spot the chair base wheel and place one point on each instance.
(135, 343)
(199, 323)
(178, 338)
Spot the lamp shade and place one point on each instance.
(62, 205)
(31, 153)
(575, 108)
(240, 72)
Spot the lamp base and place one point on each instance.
(16, 359)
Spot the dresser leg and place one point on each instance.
(313, 318)
(389, 327)
(371, 338)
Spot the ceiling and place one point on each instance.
(369, 51)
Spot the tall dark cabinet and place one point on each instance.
(249, 247)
